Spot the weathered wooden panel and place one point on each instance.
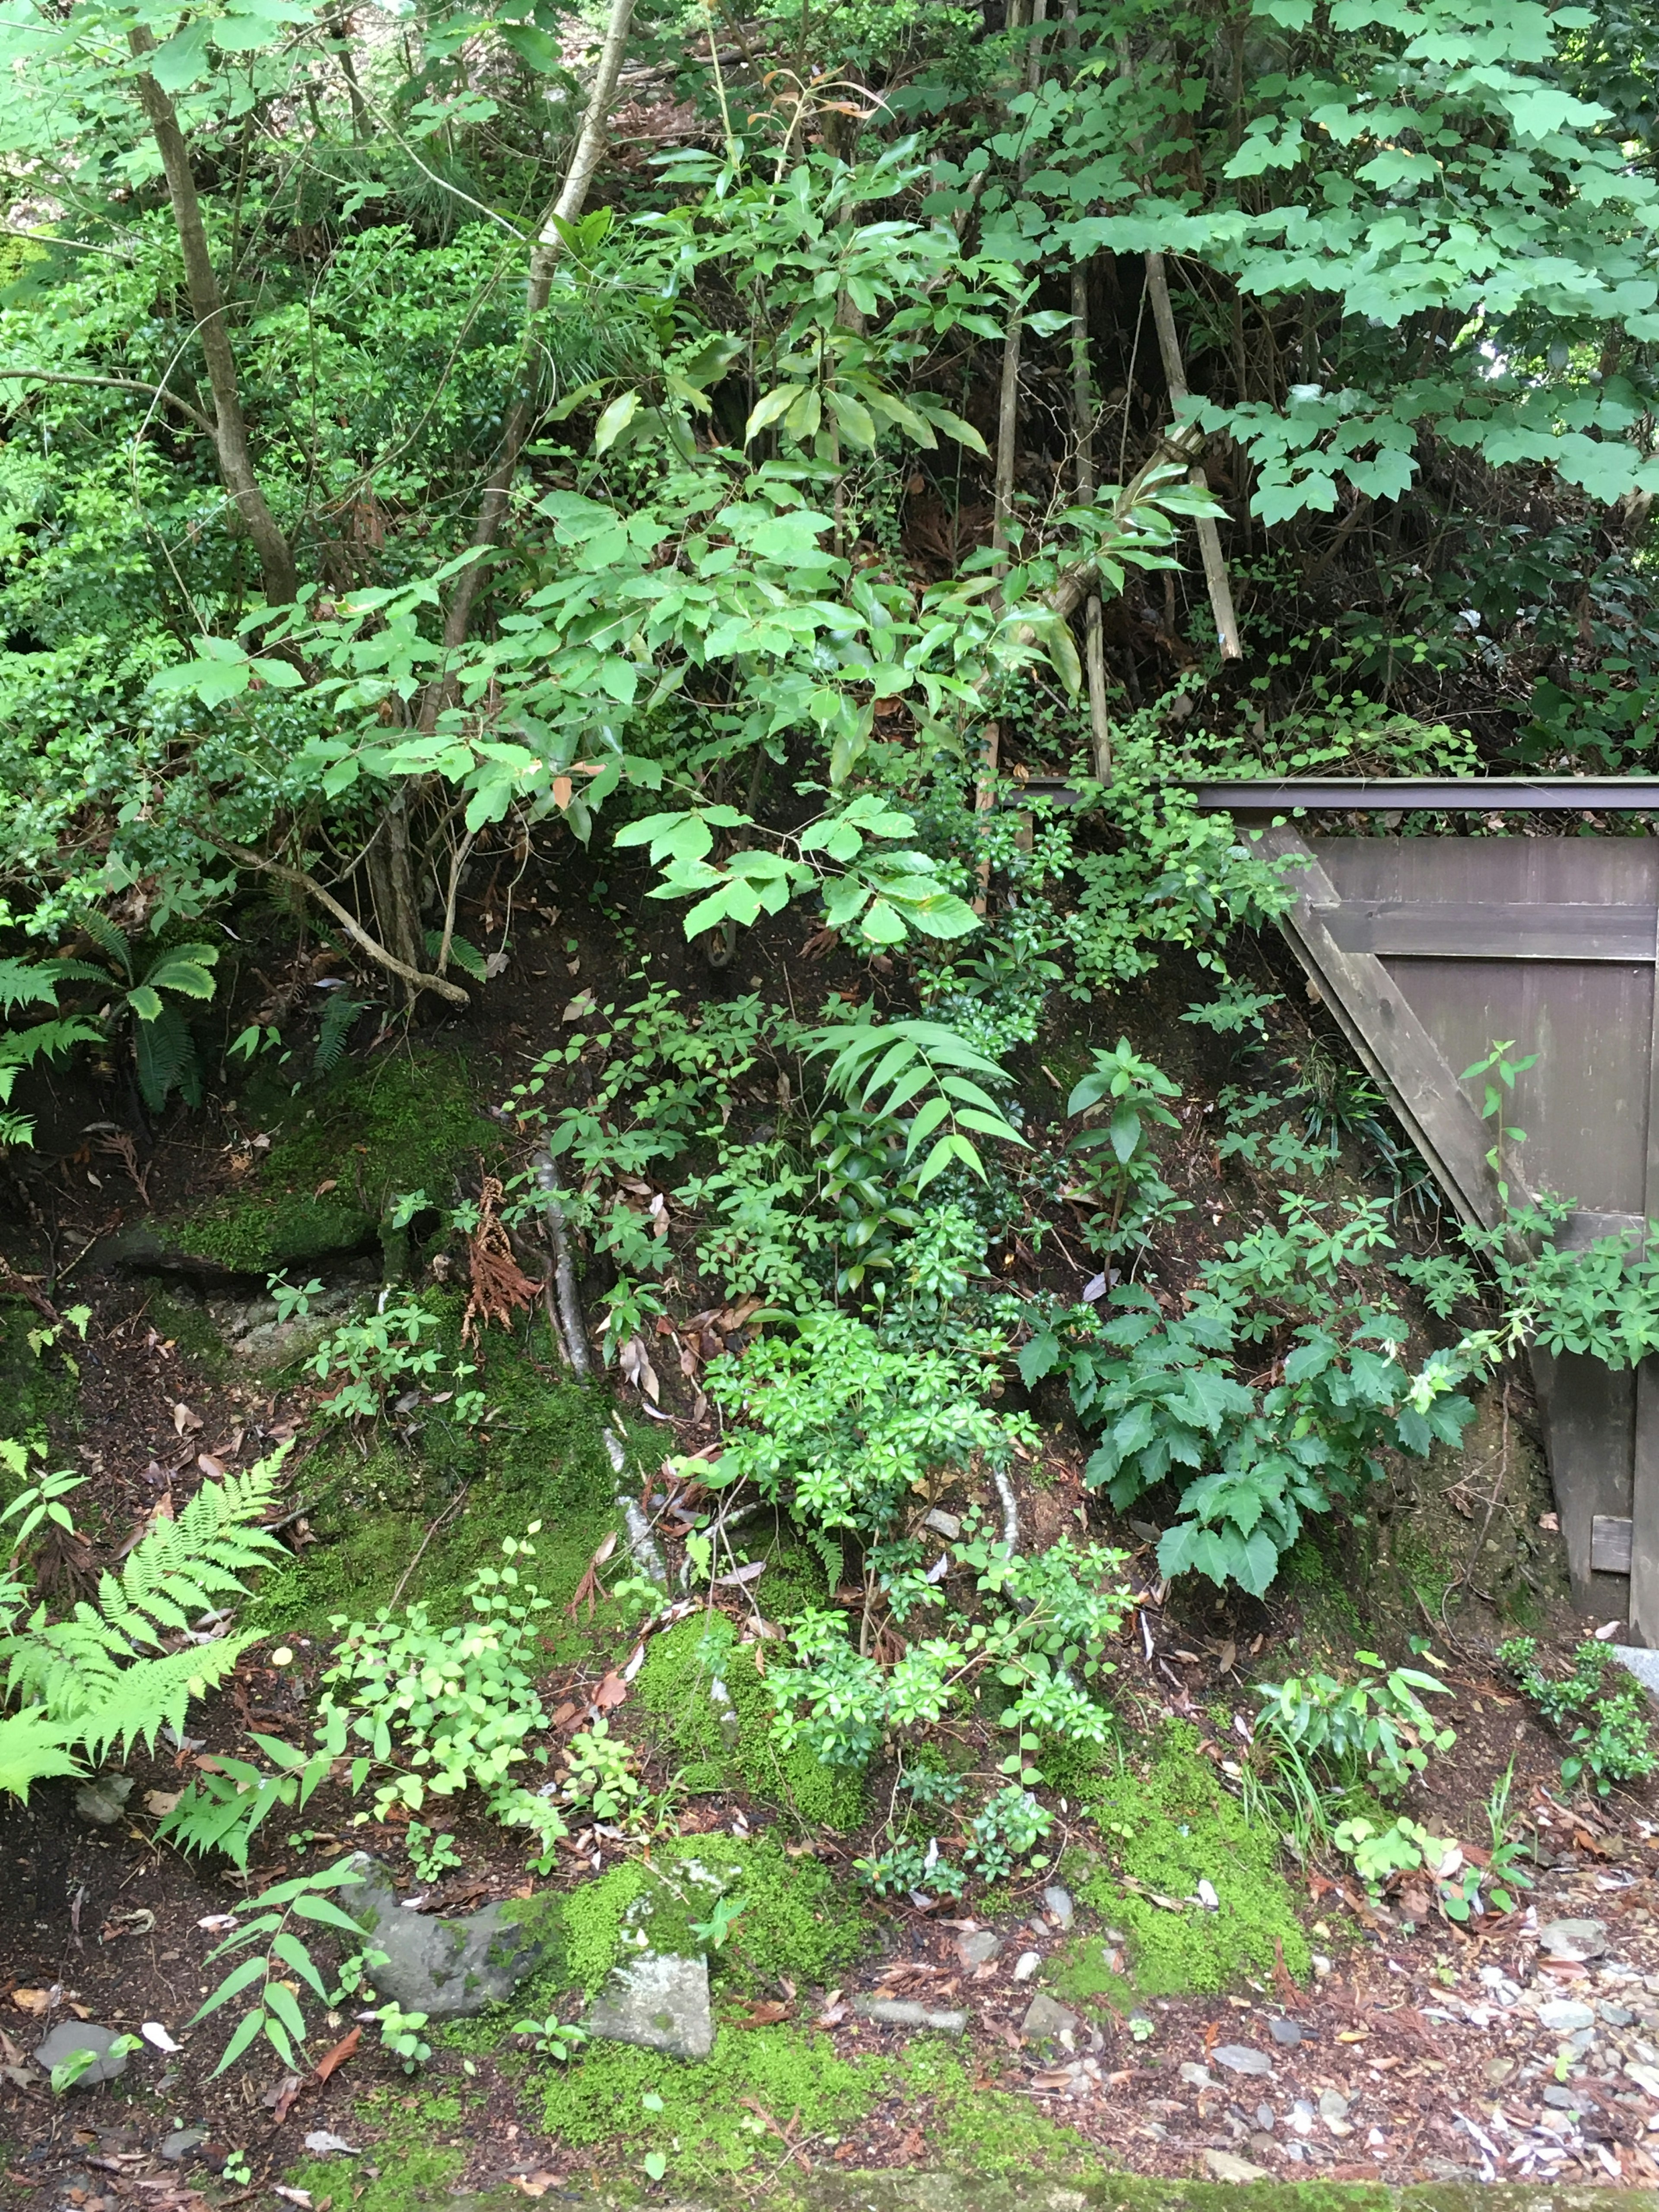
(1400, 935)
(1610, 1545)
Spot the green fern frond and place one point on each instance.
(338, 1015)
(156, 1690)
(165, 1053)
(103, 932)
(188, 1566)
(33, 1748)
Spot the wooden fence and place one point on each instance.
(1428, 948)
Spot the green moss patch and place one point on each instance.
(541, 1457)
(419, 2146)
(795, 1921)
(703, 2116)
(405, 1125)
(1165, 1830)
(723, 1741)
(990, 2131)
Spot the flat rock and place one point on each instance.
(906, 2012)
(1026, 1965)
(1239, 2058)
(1045, 2018)
(659, 2002)
(181, 2144)
(1194, 2075)
(1222, 2165)
(73, 2035)
(1284, 2032)
(446, 1968)
(980, 1948)
(1565, 2016)
(1332, 2104)
(103, 1799)
(1573, 1939)
(1058, 1902)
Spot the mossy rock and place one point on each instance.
(1164, 1830)
(705, 1705)
(258, 1235)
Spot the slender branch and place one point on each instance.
(543, 261)
(1209, 538)
(354, 929)
(213, 328)
(114, 384)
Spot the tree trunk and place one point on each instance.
(212, 327)
(1209, 538)
(543, 260)
(1083, 413)
(392, 878)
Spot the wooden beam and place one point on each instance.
(1610, 1545)
(1437, 929)
(1482, 794)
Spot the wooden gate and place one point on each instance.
(1427, 949)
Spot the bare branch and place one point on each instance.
(114, 384)
(367, 945)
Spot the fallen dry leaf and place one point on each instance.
(36, 2001)
(342, 2050)
(534, 2184)
(154, 2032)
(611, 1691)
(300, 2197)
(767, 2013)
(184, 1418)
(161, 1802)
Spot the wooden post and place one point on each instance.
(1209, 538)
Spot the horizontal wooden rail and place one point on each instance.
(1483, 794)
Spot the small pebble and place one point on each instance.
(1239, 2058)
(1562, 2099)
(1026, 1965)
(1616, 2016)
(1196, 2076)
(1332, 2104)
(1284, 2032)
(1264, 2117)
(1058, 1901)
(979, 1948)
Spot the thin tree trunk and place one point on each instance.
(212, 327)
(543, 261)
(1008, 396)
(1209, 538)
(1082, 410)
(339, 30)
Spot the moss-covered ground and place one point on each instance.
(721, 1737)
(342, 1150)
(1165, 1826)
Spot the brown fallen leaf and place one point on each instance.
(611, 1691)
(280, 2098)
(534, 2184)
(161, 1801)
(765, 2013)
(36, 2001)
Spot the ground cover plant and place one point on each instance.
(684, 1278)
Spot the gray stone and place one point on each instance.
(942, 1523)
(1573, 1939)
(1565, 2016)
(1224, 2166)
(1264, 2117)
(103, 1799)
(1194, 2075)
(1332, 2104)
(1239, 2058)
(1058, 1902)
(75, 2035)
(980, 1948)
(905, 2012)
(1046, 2018)
(181, 2144)
(447, 1969)
(658, 2002)
(1645, 1665)
(1026, 1965)
(1284, 2032)
(1616, 2016)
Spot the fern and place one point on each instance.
(165, 1052)
(338, 1015)
(89, 1682)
